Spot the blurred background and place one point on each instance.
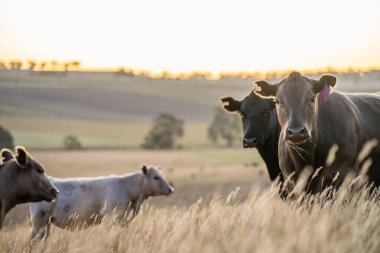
(98, 87)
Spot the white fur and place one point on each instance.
(85, 201)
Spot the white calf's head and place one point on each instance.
(156, 184)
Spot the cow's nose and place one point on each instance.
(296, 134)
(171, 190)
(249, 142)
(54, 192)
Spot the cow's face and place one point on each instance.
(156, 182)
(297, 103)
(30, 180)
(257, 117)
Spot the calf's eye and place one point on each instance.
(156, 178)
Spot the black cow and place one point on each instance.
(22, 180)
(312, 120)
(261, 128)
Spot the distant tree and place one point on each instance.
(71, 142)
(224, 126)
(75, 65)
(6, 139)
(71, 66)
(15, 65)
(32, 64)
(43, 65)
(124, 72)
(165, 131)
(2, 65)
(66, 66)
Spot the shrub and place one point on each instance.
(225, 127)
(6, 139)
(165, 131)
(71, 142)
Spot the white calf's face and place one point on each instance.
(156, 182)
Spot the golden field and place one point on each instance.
(222, 202)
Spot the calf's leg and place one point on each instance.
(40, 223)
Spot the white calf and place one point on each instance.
(86, 201)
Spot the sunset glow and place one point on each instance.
(194, 35)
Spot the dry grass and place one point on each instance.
(201, 217)
(261, 223)
(195, 173)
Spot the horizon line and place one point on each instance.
(75, 66)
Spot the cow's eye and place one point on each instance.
(156, 178)
(312, 100)
(40, 170)
(280, 104)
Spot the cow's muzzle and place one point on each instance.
(250, 142)
(297, 134)
(53, 193)
(169, 191)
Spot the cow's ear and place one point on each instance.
(230, 104)
(22, 157)
(144, 169)
(267, 90)
(325, 80)
(323, 86)
(6, 155)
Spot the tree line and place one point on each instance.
(33, 65)
(75, 65)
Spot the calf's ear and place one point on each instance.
(144, 169)
(230, 104)
(323, 86)
(267, 90)
(6, 155)
(22, 157)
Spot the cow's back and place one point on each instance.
(350, 120)
(369, 108)
(337, 123)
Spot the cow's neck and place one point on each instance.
(133, 184)
(5, 207)
(269, 152)
(9, 192)
(6, 185)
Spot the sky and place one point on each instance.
(183, 36)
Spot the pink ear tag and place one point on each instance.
(324, 94)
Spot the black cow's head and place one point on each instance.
(257, 116)
(297, 106)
